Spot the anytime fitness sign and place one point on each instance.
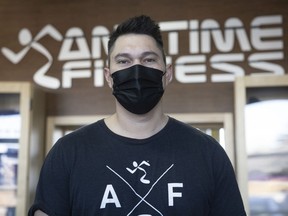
(259, 49)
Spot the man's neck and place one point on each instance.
(137, 126)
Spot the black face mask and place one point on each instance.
(138, 88)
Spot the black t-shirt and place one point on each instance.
(179, 171)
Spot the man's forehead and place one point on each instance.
(129, 39)
(132, 42)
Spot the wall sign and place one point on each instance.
(209, 44)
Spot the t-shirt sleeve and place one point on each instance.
(227, 199)
(52, 194)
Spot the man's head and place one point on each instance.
(137, 25)
(137, 71)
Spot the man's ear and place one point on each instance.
(108, 77)
(169, 74)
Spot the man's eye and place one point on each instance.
(150, 60)
(122, 61)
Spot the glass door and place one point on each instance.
(10, 125)
(266, 129)
(261, 104)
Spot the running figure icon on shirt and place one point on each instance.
(138, 167)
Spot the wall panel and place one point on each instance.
(86, 98)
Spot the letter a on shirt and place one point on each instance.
(113, 198)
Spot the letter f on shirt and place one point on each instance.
(172, 194)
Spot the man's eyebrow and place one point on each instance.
(149, 53)
(127, 55)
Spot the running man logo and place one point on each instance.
(138, 167)
(26, 40)
(261, 50)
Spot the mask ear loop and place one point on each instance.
(164, 73)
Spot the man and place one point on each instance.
(137, 161)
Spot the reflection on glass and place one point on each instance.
(266, 128)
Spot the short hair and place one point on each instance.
(137, 25)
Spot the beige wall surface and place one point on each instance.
(203, 39)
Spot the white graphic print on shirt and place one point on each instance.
(138, 167)
(110, 195)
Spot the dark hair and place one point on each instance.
(138, 25)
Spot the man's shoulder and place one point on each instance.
(190, 133)
(85, 129)
(81, 134)
(184, 127)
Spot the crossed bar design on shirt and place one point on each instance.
(142, 199)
